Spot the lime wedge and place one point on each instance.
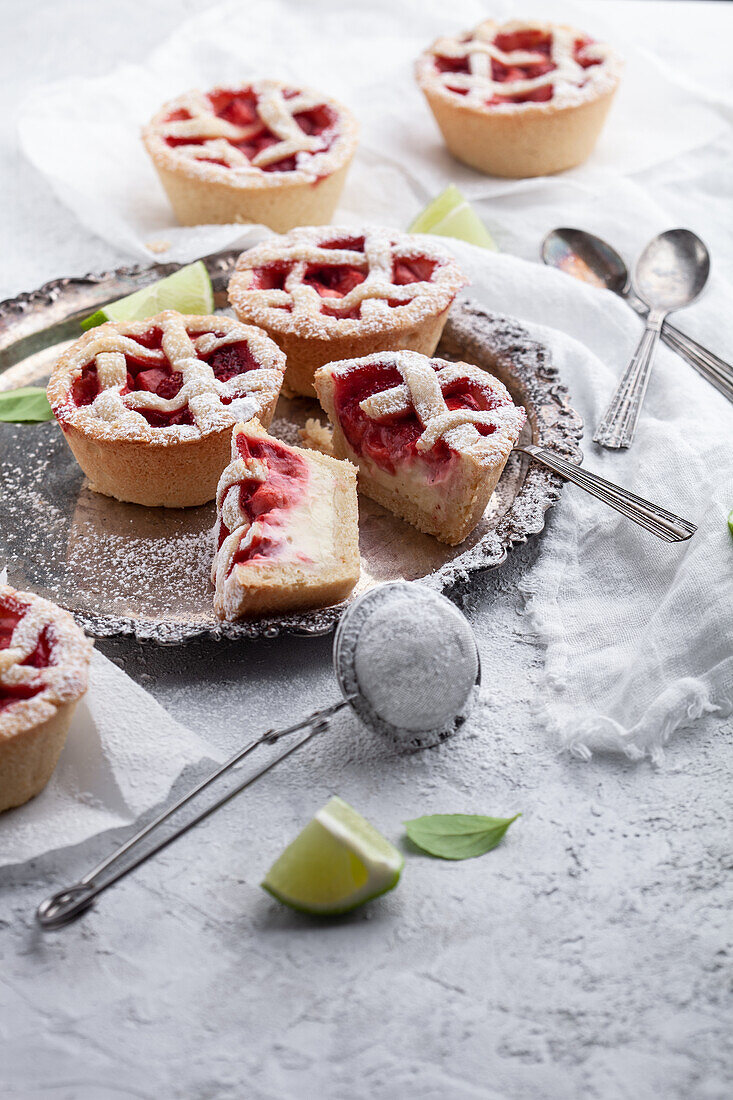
(188, 290)
(730, 521)
(438, 209)
(450, 215)
(338, 862)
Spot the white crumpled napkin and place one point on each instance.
(639, 633)
(122, 755)
(84, 134)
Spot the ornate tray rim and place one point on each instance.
(554, 424)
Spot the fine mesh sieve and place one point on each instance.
(407, 663)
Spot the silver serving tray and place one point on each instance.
(125, 569)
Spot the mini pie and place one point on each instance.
(430, 438)
(286, 535)
(264, 152)
(148, 407)
(44, 662)
(522, 99)
(335, 293)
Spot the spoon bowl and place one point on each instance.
(672, 270)
(586, 257)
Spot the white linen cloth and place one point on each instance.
(84, 134)
(638, 634)
(121, 757)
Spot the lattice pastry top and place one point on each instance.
(252, 135)
(422, 391)
(327, 281)
(509, 66)
(166, 379)
(44, 658)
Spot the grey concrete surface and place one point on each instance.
(587, 958)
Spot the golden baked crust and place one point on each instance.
(312, 556)
(33, 729)
(518, 137)
(382, 311)
(174, 465)
(448, 506)
(228, 186)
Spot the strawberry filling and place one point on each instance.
(158, 376)
(11, 612)
(532, 41)
(240, 109)
(270, 500)
(335, 281)
(391, 441)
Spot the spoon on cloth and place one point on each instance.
(592, 260)
(670, 274)
(407, 663)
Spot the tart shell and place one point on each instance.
(33, 731)
(162, 470)
(28, 759)
(204, 193)
(209, 202)
(537, 139)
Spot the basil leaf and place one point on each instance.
(27, 405)
(457, 836)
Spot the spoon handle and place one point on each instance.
(709, 365)
(665, 525)
(617, 427)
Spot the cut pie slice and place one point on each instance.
(430, 438)
(263, 152)
(331, 293)
(44, 661)
(148, 407)
(286, 535)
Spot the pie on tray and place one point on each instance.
(147, 407)
(430, 438)
(334, 293)
(519, 99)
(286, 535)
(263, 152)
(44, 661)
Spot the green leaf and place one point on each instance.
(730, 521)
(457, 836)
(26, 405)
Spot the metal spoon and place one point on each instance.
(592, 260)
(407, 663)
(670, 274)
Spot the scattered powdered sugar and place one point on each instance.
(422, 390)
(383, 304)
(213, 151)
(63, 680)
(125, 569)
(213, 404)
(571, 83)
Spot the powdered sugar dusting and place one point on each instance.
(424, 382)
(382, 303)
(570, 82)
(125, 569)
(115, 413)
(207, 145)
(63, 680)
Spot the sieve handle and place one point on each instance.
(71, 901)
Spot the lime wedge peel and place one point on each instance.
(451, 215)
(730, 521)
(188, 290)
(338, 862)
